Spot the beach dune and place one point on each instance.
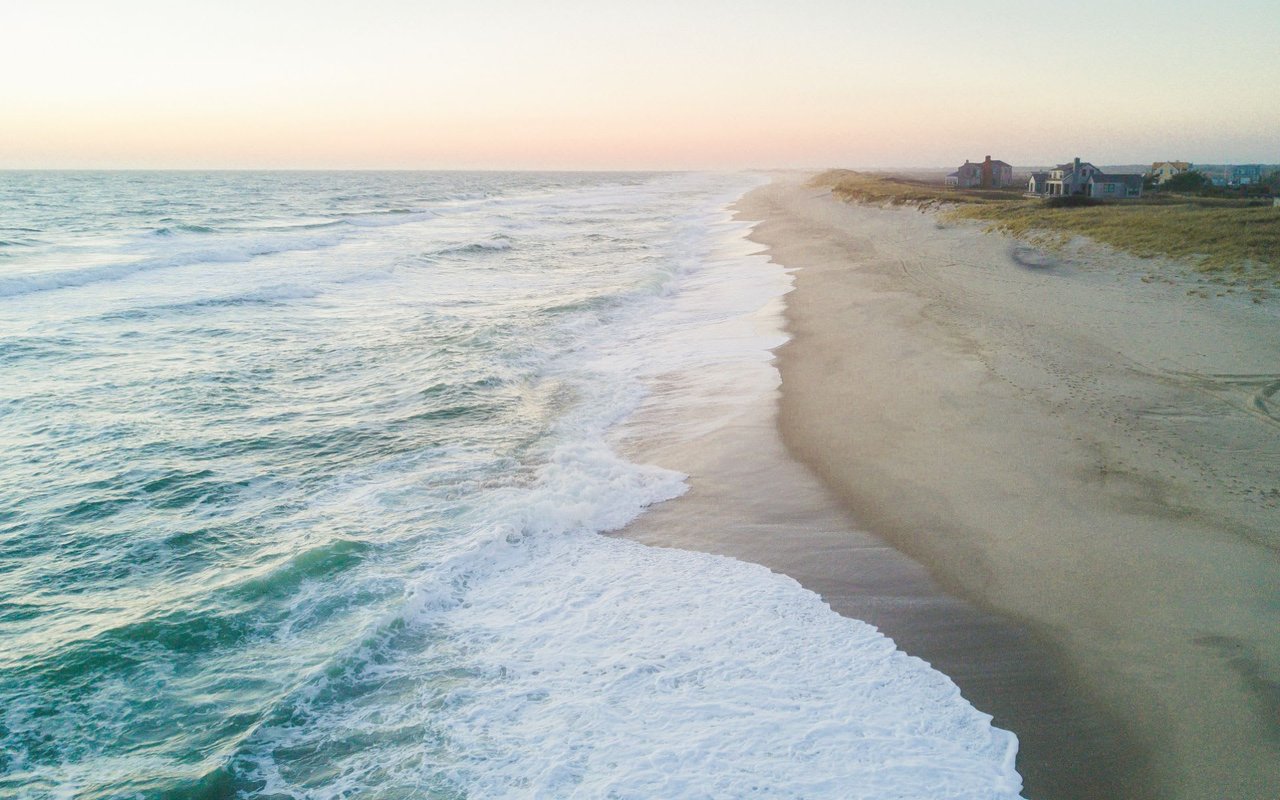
(1086, 465)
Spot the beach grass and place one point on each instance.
(894, 190)
(1217, 235)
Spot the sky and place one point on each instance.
(501, 84)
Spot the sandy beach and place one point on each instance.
(1053, 480)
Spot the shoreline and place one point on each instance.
(750, 499)
(970, 407)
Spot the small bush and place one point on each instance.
(1190, 181)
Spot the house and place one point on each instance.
(1114, 187)
(987, 175)
(1069, 179)
(1232, 174)
(1080, 178)
(966, 177)
(1162, 171)
(1246, 174)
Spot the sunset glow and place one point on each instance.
(388, 84)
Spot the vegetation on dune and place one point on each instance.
(867, 187)
(1236, 237)
(1214, 238)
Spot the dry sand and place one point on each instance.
(1090, 461)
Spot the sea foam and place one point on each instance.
(539, 658)
(546, 660)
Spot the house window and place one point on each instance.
(1111, 188)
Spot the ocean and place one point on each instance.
(305, 487)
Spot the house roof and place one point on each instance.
(978, 164)
(1126, 179)
(1040, 176)
(1175, 164)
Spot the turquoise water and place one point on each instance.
(297, 473)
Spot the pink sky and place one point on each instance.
(501, 84)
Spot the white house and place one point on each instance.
(1083, 179)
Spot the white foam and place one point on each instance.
(383, 219)
(220, 251)
(634, 671)
(641, 672)
(565, 664)
(561, 663)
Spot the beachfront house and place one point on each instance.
(1114, 187)
(986, 175)
(1232, 174)
(1162, 171)
(1080, 178)
(966, 177)
(1038, 184)
(1069, 179)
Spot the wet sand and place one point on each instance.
(1086, 466)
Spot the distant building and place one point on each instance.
(966, 177)
(1232, 174)
(1248, 174)
(1162, 171)
(1114, 187)
(1038, 184)
(1080, 178)
(987, 175)
(1245, 174)
(1069, 179)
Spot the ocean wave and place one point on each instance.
(549, 661)
(22, 348)
(266, 296)
(496, 243)
(224, 253)
(620, 687)
(382, 219)
(174, 230)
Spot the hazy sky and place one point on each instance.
(603, 84)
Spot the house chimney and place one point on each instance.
(988, 158)
(1077, 163)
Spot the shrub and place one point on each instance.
(1189, 181)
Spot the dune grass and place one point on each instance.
(1212, 238)
(1216, 235)
(873, 188)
